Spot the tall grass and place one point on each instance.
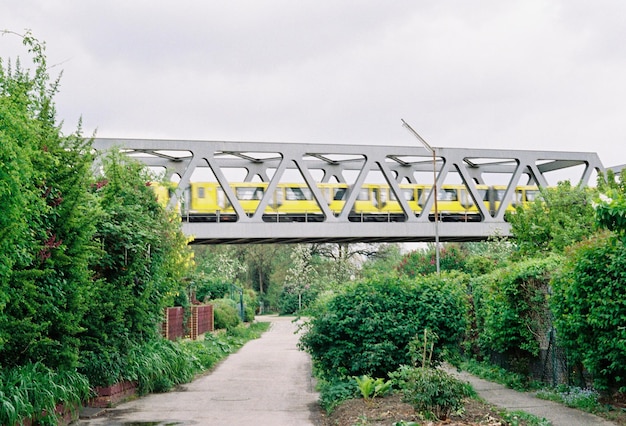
(159, 365)
(33, 391)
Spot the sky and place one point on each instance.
(503, 74)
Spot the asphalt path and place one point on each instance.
(267, 382)
(501, 396)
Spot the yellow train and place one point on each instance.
(294, 202)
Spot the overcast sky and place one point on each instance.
(519, 74)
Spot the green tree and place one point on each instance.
(143, 263)
(217, 268)
(486, 256)
(46, 220)
(299, 289)
(560, 217)
(383, 262)
(423, 261)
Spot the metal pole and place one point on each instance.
(431, 149)
(436, 212)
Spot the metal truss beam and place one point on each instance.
(353, 164)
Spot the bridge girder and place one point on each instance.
(316, 163)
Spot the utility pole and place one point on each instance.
(433, 151)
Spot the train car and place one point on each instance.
(335, 195)
(525, 194)
(390, 205)
(367, 206)
(293, 202)
(161, 192)
(470, 211)
(455, 203)
(207, 201)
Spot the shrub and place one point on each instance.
(225, 314)
(212, 290)
(367, 329)
(423, 262)
(250, 304)
(511, 308)
(335, 391)
(589, 309)
(290, 301)
(432, 392)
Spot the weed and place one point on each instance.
(334, 393)
(516, 418)
(432, 392)
(500, 375)
(370, 388)
(573, 396)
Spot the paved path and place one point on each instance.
(267, 382)
(557, 414)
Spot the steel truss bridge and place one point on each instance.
(226, 162)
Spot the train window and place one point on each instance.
(249, 193)
(382, 194)
(531, 195)
(200, 192)
(363, 195)
(297, 194)
(446, 194)
(376, 196)
(484, 194)
(339, 194)
(408, 194)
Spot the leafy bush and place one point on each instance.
(212, 290)
(334, 392)
(290, 301)
(610, 208)
(432, 392)
(250, 304)
(46, 220)
(511, 309)
(589, 309)
(103, 368)
(423, 262)
(225, 314)
(562, 216)
(367, 329)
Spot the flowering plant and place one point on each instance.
(610, 206)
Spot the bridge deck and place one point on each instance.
(259, 233)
